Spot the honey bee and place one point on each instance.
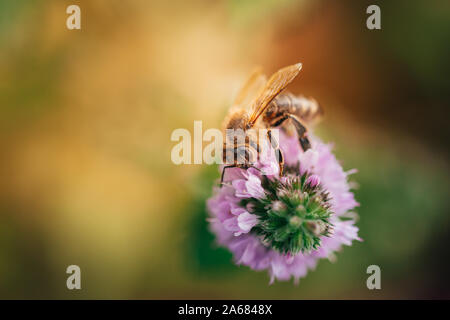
(261, 97)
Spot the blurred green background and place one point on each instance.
(85, 123)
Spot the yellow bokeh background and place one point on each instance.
(86, 119)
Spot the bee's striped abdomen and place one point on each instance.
(287, 103)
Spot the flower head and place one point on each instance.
(285, 224)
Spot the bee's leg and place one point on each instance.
(277, 149)
(300, 128)
(278, 121)
(301, 131)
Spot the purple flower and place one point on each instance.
(250, 186)
(312, 181)
(285, 225)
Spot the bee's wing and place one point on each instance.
(246, 96)
(250, 90)
(277, 82)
